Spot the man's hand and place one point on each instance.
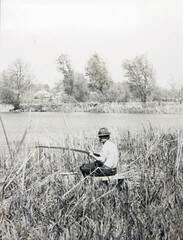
(98, 163)
(90, 154)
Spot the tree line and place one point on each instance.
(95, 85)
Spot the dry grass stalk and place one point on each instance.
(38, 203)
(6, 136)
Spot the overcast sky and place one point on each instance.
(38, 31)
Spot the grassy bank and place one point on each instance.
(126, 107)
(38, 202)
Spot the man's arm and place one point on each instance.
(96, 156)
(99, 157)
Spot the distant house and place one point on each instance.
(42, 96)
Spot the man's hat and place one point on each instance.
(103, 132)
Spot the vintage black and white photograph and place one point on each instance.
(91, 120)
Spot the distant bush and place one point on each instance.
(105, 107)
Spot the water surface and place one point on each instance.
(52, 126)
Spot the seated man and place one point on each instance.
(106, 161)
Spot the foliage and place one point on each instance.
(80, 92)
(64, 66)
(15, 81)
(118, 92)
(176, 90)
(96, 71)
(73, 84)
(141, 77)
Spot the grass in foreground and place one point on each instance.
(38, 202)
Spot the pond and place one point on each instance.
(47, 127)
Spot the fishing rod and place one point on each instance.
(68, 148)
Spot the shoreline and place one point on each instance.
(95, 107)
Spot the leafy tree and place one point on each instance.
(64, 66)
(176, 89)
(96, 71)
(14, 83)
(73, 84)
(141, 77)
(80, 87)
(118, 92)
(158, 94)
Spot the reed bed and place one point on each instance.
(38, 202)
(109, 107)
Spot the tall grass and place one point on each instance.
(39, 202)
(109, 107)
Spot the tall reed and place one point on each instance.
(38, 202)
